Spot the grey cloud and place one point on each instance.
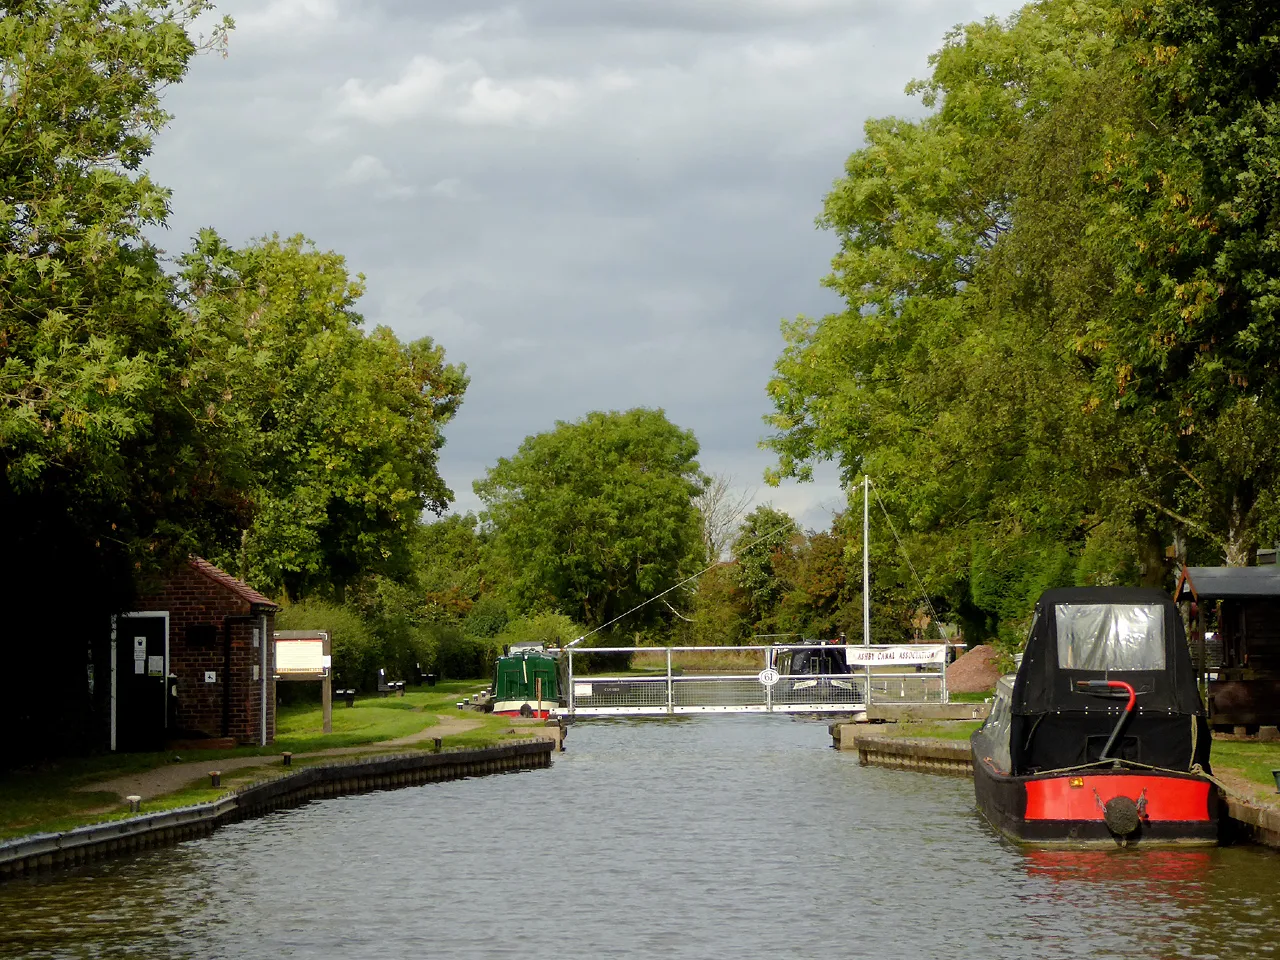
(593, 205)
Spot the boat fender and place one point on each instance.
(1121, 815)
(526, 710)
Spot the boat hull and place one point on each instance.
(524, 708)
(1069, 808)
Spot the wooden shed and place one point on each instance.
(193, 661)
(1235, 637)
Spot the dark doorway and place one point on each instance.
(141, 666)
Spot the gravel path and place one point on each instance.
(168, 779)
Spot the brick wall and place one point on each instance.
(197, 608)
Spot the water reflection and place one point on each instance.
(730, 837)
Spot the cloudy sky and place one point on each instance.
(594, 204)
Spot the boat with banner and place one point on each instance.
(526, 682)
(1101, 737)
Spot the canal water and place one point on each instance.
(742, 837)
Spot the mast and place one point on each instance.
(866, 560)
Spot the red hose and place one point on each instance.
(1121, 685)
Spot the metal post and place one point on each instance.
(570, 652)
(866, 576)
(946, 650)
(326, 701)
(670, 689)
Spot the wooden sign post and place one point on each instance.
(306, 655)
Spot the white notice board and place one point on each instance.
(301, 656)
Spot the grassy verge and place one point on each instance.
(48, 798)
(972, 697)
(927, 729)
(1253, 761)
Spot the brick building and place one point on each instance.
(193, 660)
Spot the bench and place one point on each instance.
(419, 677)
(386, 686)
(347, 693)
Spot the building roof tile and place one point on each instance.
(224, 579)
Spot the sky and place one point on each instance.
(593, 204)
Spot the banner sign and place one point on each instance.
(907, 654)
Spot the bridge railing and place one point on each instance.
(675, 692)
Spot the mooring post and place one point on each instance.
(670, 691)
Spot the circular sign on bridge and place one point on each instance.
(768, 676)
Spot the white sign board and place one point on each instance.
(768, 676)
(907, 654)
(300, 656)
(582, 689)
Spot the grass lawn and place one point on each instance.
(972, 697)
(45, 798)
(926, 729)
(1251, 760)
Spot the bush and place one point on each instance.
(552, 629)
(355, 648)
(460, 657)
(488, 618)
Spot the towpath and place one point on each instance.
(159, 781)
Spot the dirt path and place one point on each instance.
(161, 780)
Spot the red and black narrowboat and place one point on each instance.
(1100, 738)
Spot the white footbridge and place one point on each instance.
(849, 678)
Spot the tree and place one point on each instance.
(721, 507)
(1188, 349)
(104, 454)
(765, 540)
(596, 516)
(107, 468)
(956, 374)
(344, 426)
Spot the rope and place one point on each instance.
(906, 556)
(659, 596)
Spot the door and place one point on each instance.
(141, 666)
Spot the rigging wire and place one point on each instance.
(659, 596)
(906, 556)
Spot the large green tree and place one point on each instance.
(1187, 347)
(343, 426)
(104, 448)
(1055, 351)
(597, 515)
(108, 465)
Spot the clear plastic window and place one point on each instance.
(1110, 636)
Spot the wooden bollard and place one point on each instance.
(215, 778)
(135, 803)
(287, 758)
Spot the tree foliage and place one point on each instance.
(1058, 302)
(597, 515)
(344, 426)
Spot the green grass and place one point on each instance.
(972, 697)
(1254, 761)
(46, 798)
(927, 729)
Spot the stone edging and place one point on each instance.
(949, 757)
(51, 851)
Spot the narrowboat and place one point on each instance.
(817, 662)
(1100, 739)
(526, 682)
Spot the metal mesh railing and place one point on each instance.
(674, 692)
(906, 688)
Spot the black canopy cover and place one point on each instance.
(1131, 634)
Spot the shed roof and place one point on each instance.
(227, 581)
(1224, 583)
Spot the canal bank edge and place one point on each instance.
(1249, 820)
(52, 851)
